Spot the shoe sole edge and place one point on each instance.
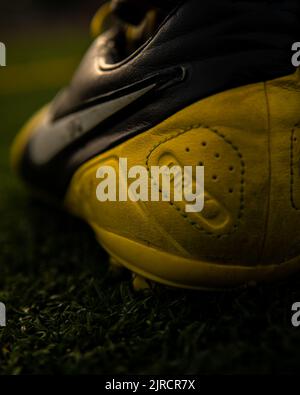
(188, 273)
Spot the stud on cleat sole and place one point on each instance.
(140, 283)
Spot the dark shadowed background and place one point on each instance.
(30, 14)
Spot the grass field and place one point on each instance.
(67, 315)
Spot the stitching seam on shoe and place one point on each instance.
(242, 179)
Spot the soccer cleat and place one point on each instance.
(182, 83)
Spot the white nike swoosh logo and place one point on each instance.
(52, 138)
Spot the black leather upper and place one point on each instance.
(196, 32)
(219, 44)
